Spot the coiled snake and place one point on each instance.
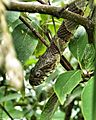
(51, 57)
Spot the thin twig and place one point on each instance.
(42, 2)
(65, 63)
(53, 19)
(52, 16)
(47, 33)
(24, 20)
(3, 108)
(68, 111)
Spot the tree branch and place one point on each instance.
(51, 10)
(23, 19)
(68, 110)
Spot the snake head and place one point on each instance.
(36, 77)
(45, 65)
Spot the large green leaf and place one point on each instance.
(25, 42)
(66, 82)
(78, 43)
(87, 101)
(88, 58)
(49, 108)
(12, 16)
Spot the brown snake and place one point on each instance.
(51, 57)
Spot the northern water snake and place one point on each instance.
(51, 57)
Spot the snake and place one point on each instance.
(49, 60)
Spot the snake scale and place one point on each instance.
(48, 61)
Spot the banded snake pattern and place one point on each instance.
(51, 57)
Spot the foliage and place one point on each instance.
(53, 98)
(65, 83)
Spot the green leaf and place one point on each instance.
(59, 115)
(2, 91)
(12, 16)
(53, 75)
(25, 42)
(78, 43)
(87, 101)
(15, 23)
(65, 83)
(30, 61)
(16, 114)
(88, 58)
(9, 97)
(49, 108)
(40, 49)
(44, 19)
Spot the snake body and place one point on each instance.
(51, 57)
